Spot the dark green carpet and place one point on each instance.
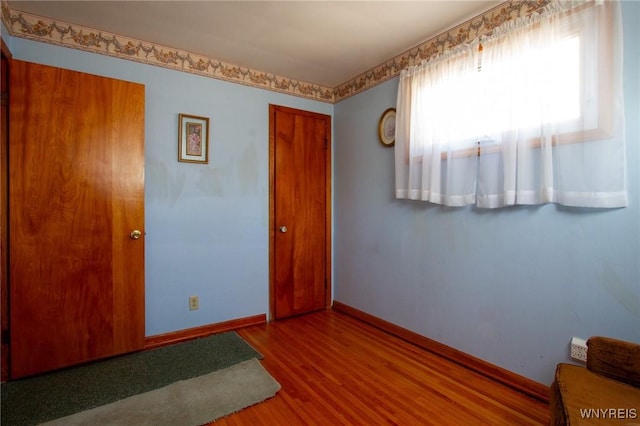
(50, 396)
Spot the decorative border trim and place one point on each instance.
(33, 27)
(37, 28)
(515, 381)
(466, 32)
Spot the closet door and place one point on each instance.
(76, 218)
(301, 211)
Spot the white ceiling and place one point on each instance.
(320, 42)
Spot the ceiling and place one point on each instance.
(319, 42)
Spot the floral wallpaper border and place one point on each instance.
(468, 31)
(33, 27)
(24, 25)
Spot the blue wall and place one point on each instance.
(206, 225)
(510, 286)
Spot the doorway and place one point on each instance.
(300, 211)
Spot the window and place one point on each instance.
(527, 90)
(496, 122)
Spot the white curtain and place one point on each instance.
(431, 100)
(541, 102)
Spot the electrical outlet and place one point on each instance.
(194, 303)
(578, 349)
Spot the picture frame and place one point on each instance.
(193, 139)
(387, 127)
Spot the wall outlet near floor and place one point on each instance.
(579, 349)
(194, 303)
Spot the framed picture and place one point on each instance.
(193, 139)
(387, 127)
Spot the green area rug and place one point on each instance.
(62, 393)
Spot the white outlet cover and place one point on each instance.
(579, 349)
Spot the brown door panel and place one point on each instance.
(300, 196)
(76, 187)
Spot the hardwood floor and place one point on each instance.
(336, 370)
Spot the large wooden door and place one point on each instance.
(300, 211)
(76, 182)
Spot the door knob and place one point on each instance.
(283, 229)
(135, 234)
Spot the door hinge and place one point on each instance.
(4, 98)
(5, 339)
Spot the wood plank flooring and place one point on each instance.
(336, 370)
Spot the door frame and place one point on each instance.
(4, 216)
(328, 209)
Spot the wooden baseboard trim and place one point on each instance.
(515, 381)
(170, 338)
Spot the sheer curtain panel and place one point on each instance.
(432, 99)
(532, 114)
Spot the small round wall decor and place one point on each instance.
(387, 127)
